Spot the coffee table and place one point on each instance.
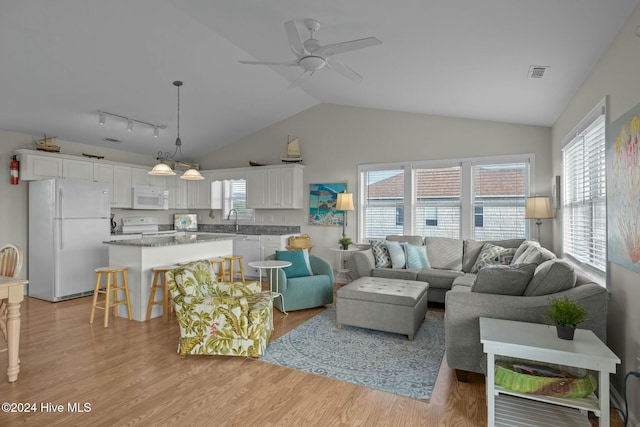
(538, 342)
(270, 265)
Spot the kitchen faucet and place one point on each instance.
(229, 216)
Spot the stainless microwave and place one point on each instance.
(150, 198)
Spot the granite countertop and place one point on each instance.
(181, 239)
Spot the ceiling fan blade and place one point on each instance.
(289, 63)
(332, 49)
(301, 78)
(345, 70)
(295, 41)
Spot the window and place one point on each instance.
(499, 197)
(584, 196)
(235, 197)
(467, 198)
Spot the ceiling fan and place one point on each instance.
(312, 56)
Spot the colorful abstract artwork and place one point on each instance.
(623, 190)
(322, 203)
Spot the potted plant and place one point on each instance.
(566, 315)
(345, 242)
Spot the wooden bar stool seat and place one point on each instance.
(111, 286)
(232, 273)
(219, 263)
(160, 282)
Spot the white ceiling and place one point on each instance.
(62, 61)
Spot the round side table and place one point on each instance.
(270, 265)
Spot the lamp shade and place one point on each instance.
(192, 175)
(345, 202)
(538, 207)
(161, 169)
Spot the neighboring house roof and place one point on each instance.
(446, 183)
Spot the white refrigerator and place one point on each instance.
(68, 223)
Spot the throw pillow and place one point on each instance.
(551, 277)
(305, 253)
(380, 254)
(416, 256)
(503, 279)
(523, 247)
(298, 267)
(535, 255)
(493, 255)
(398, 259)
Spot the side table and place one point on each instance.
(533, 341)
(340, 270)
(269, 265)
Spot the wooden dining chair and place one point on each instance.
(10, 265)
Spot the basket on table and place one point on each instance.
(547, 379)
(299, 242)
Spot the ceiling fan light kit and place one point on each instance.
(162, 168)
(312, 56)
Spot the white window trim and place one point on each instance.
(466, 227)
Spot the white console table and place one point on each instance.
(538, 342)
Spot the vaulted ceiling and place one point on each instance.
(63, 61)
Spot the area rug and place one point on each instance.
(375, 359)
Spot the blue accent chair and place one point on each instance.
(303, 292)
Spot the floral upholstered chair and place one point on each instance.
(227, 318)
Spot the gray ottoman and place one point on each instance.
(391, 305)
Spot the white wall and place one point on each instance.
(335, 139)
(616, 77)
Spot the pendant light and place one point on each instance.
(162, 168)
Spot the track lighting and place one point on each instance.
(130, 122)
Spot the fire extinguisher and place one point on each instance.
(14, 167)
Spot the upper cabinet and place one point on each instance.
(199, 193)
(33, 167)
(275, 187)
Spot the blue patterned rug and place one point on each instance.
(375, 359)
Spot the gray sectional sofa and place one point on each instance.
(518, 288)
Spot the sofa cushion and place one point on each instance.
(395, 273)
(472, 248)
(523, 247)
(416, 256)
(551, 277)
(412, 240)
(534, 255)
(504, 279)
(467, 280)
(444, 253)
(398, 259)
(195, 278)
(437, 278)
(380, 254)
(298, 267)
(493, 255)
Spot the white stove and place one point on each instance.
(143, 225)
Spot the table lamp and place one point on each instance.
(538, 208)
(344, 204)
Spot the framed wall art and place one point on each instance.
(322, 203)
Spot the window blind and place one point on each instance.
(383, 202)
(438, 201)
(584, 200)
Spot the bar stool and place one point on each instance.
(231, 260)
(160, 282)
(111, 285)
(219, 262)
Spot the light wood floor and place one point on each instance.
(130, 374)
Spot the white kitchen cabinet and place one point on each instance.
(270, 244)
(34, 166)
(77, 169)
(121, 187)
(275, 187)
(199, 193)
(103, 172)
(177, 192)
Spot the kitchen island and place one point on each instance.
(141, 255)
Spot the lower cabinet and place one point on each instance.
(270, 244)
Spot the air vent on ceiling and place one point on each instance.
(113, 140)
(537, 71)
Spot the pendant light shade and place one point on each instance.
(162, 168)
